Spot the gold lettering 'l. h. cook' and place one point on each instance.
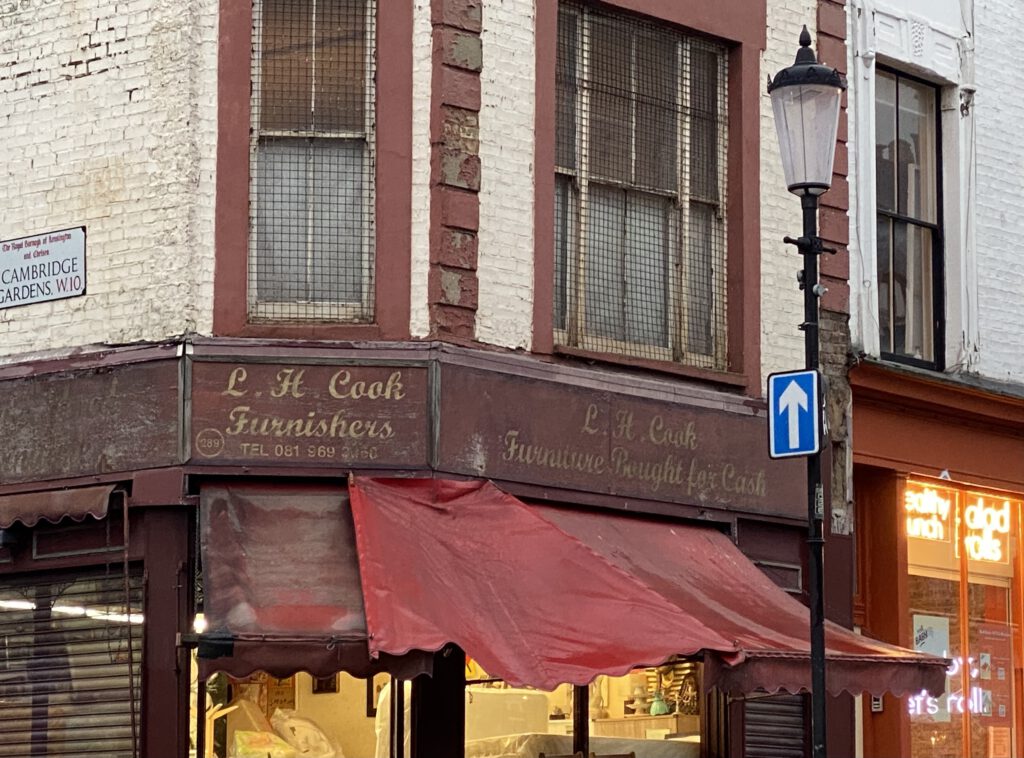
(289, 382)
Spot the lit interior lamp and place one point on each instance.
(199, 623)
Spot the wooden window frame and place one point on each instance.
(678, 260)
(744, 43)
(392, 199)
(263, 311)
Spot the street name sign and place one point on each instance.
(794, 414)
(48, 266)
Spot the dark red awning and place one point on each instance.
(297, 578)
(541, 596)
(54, 505)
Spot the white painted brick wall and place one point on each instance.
(506, 214)
(505, 314)
(984, 219)
(782, 343)
(419, 316)
(999, 111)
(109, 121)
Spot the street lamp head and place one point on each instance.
(806, 99)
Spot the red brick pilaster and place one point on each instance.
(833, 226)
(454, 167)
(833, 220)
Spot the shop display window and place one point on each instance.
(337, 716)
(962, 550)
(648, 713)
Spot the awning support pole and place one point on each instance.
(581, 720)
(438, 707)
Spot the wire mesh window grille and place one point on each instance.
(640, 172)
(312, 161)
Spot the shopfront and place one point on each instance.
(939, 503)
(579, 630)
(292, 535)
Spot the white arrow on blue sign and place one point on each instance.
(794, 414)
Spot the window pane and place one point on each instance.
(885, 291)
(911, 281)
(990, 700)
(282, 211)
(339, 60)
(990, 539)
(885, 141)
(916, 151)
(301, 715)
(565, 87)
(704, 145)
(312, 202)
(603, 263)
(611, 99)
(565, 247)
(936, 727)
(647, 268)
(906, 171)
(648, 97)
(642, 714)
(340, 223)
(699, 294)
(286, 65)
(657, 116)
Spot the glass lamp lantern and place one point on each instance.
(806, 99)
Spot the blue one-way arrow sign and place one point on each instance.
(794, 414)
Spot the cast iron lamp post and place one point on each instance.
(806, 99)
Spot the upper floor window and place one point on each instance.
(640, 229)
(907, 171)
(311, 248)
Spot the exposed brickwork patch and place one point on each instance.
(461, 14)
(455, 172)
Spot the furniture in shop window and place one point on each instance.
(637, 727)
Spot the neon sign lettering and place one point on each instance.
(923, 704)
(986, 527)
(931, 510)
(928, 513)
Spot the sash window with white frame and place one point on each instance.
(909, 252)
(640, 227)
(311, 250)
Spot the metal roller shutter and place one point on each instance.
(773, 727)
(67, 648)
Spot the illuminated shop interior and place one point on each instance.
(648, 713)
(964, 570)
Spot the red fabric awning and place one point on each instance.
(54, 505)
(541, 596)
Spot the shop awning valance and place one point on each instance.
(538, 595)
(53, 505)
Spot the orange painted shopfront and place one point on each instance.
(939, 498)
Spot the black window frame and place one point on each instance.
(938, 279)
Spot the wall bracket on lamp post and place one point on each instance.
(806, 99)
